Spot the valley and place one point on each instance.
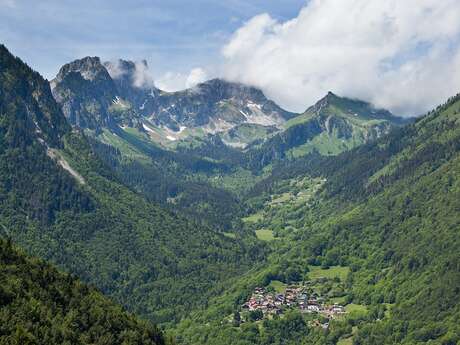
(214, 216)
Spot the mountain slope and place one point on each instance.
(61, 203)
(217, 106)
(39, 305)
(386, 213)
(331, 126)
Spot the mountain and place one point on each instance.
(217, 106)
(331, 126)
(40, 305)
(96, 95)
(189, 149)
(121, 94)
(345, 208)
(60, 202)
(374, 229)
(86, 93)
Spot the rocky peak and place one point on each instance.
(323, 103)
(220, 89)
(85, 91)
(90, 68)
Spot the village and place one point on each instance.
(294, 297)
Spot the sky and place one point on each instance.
(401, 55)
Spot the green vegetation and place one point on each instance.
(346, 341)
(39, 305)
(356, 308)
(374, 228)
(265, 235)
(156, 263)
(316, 272)
(278, 286)
(242, 135)
(253, 218)
(229, 235)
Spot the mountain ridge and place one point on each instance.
(238, 113)
(99, 229)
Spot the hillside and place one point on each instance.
(39, 305)
(190, 150)
(331, 126)
(61, 203)
(374, 229)
(336, 226)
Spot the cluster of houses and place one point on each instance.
(293, 297)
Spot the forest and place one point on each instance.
(111, 239)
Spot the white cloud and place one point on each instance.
(196, 76)
(171, 81)
(403, 55)
(115, 69)
(142, 77)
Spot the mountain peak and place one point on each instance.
(89, 67)
(29, 95)
(332, 104)
(130, 73)
(224, 89)
(120, 68)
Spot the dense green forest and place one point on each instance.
(357, 218)
(388, 213)
(61, 203)
(39, 305)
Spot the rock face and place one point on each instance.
(217, 105)
(95, 95)
(28, 111)
(86, 92)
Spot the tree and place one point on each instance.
(255, 315)
(236, 319)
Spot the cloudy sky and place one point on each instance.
(402, 55)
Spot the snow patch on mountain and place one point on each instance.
(147, 128)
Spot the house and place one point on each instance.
(337, 309)
(279, 297)
(313, 308)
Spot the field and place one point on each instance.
(265, 235)
(330, 273)
(278, 286)
(281, 198)
(253, 218)
(356, 308)
(229, 235)
(339, 300)
(347, 341)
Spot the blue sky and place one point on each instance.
(400, 55)
(173, 35)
